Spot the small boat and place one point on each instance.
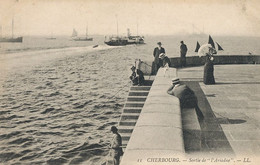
(197, 47)
(219, 47)
(12, 39)
(51, 38)
(211, 42)
(203, 49)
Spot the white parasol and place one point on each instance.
(204, 49)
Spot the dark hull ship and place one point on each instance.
(122, 41)
(116, 41)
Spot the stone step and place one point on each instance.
(124, 143)
(127, 123)
(149, 77)
(138, 93)
(126, 129)
(138, 88)
(127, 116)
(125, 136)
(134, 104)
(132, 110)
(136, 98)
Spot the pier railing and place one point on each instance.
(148, 69)
(218, 60)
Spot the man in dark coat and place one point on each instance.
(156, 53)
(186, 96)
(116, 146)
(183, 51)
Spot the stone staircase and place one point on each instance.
(132, 108)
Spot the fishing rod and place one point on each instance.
(120, 90)
(146, 64)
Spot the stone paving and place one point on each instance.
(234, 102)
(230, 132)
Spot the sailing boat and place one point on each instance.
(211, 42)
(219, 47)
(17, 39)
(76, 38)
(197, 47)
(203, 49)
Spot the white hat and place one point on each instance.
(175, 80)
(162, 55)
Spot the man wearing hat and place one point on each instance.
(186, 96)
(165, 61)
(116, 146)
(137, 76)
(156, 53)
(183, 51)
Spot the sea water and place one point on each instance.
(59, 98)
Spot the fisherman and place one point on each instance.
(186, 96)
(183, 51)
(137, 76)
(116, 146)
(208, 76)
(156, 53)
(165, 61)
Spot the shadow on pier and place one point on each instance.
(213, 139)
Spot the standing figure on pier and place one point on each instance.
(183, 51)
(116, 146)
(208, 76)
(156, 53)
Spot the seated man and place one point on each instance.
(186, 96)
(165, 61)
(137, 76)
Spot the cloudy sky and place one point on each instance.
(154, 17)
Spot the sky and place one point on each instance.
(152, 17)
